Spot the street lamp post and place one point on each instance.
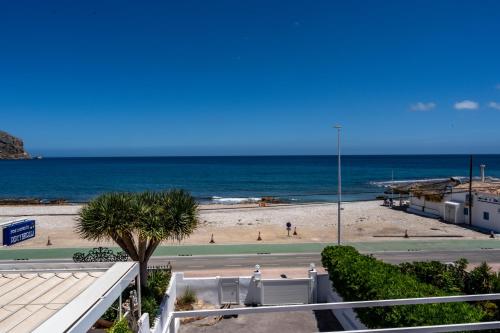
(339, 182)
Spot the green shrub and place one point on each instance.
(358, 277)
(111, 313)
(189, 297)
(448, 277)
(157, 284)
(153, 294)
(120, 326)
(150, 306)
(454, 278)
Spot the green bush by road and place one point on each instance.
(455, 278)
(359, 277)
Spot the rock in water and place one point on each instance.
(11, 148)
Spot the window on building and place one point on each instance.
(466, 211)
(486, 216)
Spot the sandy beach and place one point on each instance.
(234, 224)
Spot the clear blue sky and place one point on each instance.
(250, 77)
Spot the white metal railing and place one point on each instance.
(437, 328)
(359, 304)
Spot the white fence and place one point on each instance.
(247, 290)
(143, 324)
(167, 307)
(251, 291)
(290, 291)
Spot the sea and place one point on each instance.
(229, 180)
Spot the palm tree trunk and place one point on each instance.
(143, 273)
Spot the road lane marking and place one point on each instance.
(233, 265)
(194, 266)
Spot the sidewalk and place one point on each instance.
(181, 250)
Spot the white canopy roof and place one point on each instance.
(59, 297)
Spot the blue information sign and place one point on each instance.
(18, 232)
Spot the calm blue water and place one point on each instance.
(297, 178)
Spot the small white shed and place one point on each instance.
(453, 212)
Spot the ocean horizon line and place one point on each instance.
(301, 177)
(260, 155)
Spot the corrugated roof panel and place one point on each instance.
(39, 290)
(77, 287)
(27, 300)
(12, 284)
(31, 294)
(14, 319)
(33, 321)
(28, 284)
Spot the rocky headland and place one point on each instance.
(12, 148)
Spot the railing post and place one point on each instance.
(313, 284)
(259, 290)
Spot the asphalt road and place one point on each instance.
(491, 256)
(291, 260)
(191, 263)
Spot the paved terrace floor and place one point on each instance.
(302, 321)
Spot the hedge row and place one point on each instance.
(359, 277)
(152, 296)
(455, 278)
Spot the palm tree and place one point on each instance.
(138, 223)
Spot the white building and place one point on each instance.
(427, 198)
(451, 203)
(485, 205)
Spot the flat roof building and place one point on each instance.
(59, 297)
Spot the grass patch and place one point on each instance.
(186, 301)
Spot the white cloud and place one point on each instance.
(421, 106)
(494, 105)
(467, 105)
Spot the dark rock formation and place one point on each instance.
(11, 148)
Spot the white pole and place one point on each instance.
(120, 307)
(339, 181)
(392, 188)
(139, 296)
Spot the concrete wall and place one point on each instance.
(424, 207)
(167, 306)
(250, 293)
(327, 294)
(143, 323)
(486, 203)
(206, 289)
(253, 295)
